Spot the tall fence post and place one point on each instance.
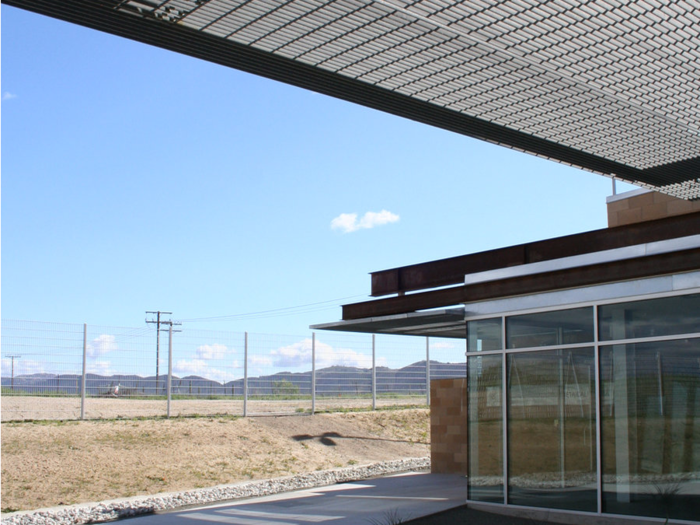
(427, 371)
(313, 373)
(374, 373)
(170, 365)
(84, 382)
(245, 375)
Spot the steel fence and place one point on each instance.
(73, 371)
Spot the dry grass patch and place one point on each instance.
(54, 463)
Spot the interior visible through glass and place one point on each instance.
(650, 417)
(650, 318)
(485, 428)
(484, 335)
(562, 327)
(551, 429)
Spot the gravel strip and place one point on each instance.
(111, 510)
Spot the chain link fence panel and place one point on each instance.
(73, 371)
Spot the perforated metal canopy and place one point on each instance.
(610, 86)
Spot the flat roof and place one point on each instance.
(606, 86)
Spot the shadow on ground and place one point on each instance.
(326, 439)
(465, 515)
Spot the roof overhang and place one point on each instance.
(625, 253)
(605, 87)
(436, 323)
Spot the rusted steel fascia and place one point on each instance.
(640, 267)
(451, 271)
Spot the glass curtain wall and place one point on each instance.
(650, 410)
(485, 428)
(541, 448)
(551, 415)
(551, 430)
(485, 411)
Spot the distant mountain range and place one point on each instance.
(334, 380)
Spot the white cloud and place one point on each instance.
(8, 96)
(299, 354)
(22, 367)
(101, 345)
(260, 361)
(294, 355)
(199, 367)
(348, 222)
(100, 367)
(215, 351)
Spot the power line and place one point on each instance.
(274, 312)
(13, 357)
(158, 321)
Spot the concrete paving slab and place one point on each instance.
(376, 501)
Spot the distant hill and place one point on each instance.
(330, 381)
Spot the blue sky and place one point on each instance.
(137, 179)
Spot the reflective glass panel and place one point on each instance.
(551, 429)
(650, 415)
(650, 318)
(485, 432)
(563, 327)
(484, 335)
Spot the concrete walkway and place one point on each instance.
(380, 501)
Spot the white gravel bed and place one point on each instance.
(126, 508)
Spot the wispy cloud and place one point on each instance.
(200, 367)
(299, 354)
(215, 351)
(22, 367)
(260, 361)
(8, 96)
(100, 367)
(349, 222)
(200, 364)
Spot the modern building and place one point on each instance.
(582, 352)
(583, 361)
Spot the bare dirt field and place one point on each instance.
(49, 463)
(19, 408)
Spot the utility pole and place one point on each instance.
(157, 322)
(170, 331)
(12, 381)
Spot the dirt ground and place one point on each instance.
(21, 408)
(49, 463)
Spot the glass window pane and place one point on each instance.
(484, 335)
(650, 318)
(485, 432)
(551, 429)
(562, 327)
(650, 415)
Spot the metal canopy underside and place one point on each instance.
(610, 86)
(435, 323)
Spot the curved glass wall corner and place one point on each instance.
(590, 409)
